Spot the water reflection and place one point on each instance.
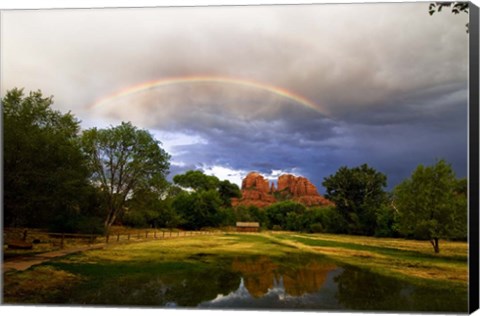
(298, 282)
(363, 290)
(262, 274)
(302, 284)
(261, 282)
(276, 297)
(321, 285)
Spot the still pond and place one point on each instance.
(299, 282)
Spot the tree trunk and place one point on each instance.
(435, 245)
(112, 214)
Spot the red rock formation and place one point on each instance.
(300, 189)
(255, 181)
(257, 191)
(296, 186)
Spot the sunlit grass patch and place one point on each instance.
(382, 256)
(447, 248)
(37, 284)
(183, 248)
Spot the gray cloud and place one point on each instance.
(388, 80)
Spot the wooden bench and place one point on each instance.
(19, 244)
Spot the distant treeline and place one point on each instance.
(67, 180)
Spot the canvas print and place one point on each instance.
(258, 157)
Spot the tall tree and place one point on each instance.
(432, 204)
(284, 214)
(359, 196)
(45, 172)
(122, 160)
(227, 191)
(204, 205)
(196, 180)
(199, 209)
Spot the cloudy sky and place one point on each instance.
(303, 89)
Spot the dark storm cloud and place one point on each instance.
(395, 48)
(387, 81)
(442, 104)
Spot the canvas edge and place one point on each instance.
(474, 158)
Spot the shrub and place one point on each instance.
(276, 227)
(316, 228)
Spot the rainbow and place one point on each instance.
(206, 79)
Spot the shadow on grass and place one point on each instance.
(406, 254)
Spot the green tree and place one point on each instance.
(285, 214)
(199, 209)
(359, 196)
(152, 208)
(386, 222)
(208, 202)
(196, 180)
(45, 173)
(432, 204)
(227, 191)
(123, 160)
(326, 219)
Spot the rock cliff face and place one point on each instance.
(300, 189)
(257, 191)
(257, 182)
(296, 186)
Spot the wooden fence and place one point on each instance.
(155, 234)
(13, 236)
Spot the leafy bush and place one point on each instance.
(316, 228)
(72, 222)
(276, 214)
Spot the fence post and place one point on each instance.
(62, 241)
(170, 233)
(163, 234)
(118, 236)
(155, 234)
(107, 237)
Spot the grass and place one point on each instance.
(102, 276)
(37, 285)
(405, 259)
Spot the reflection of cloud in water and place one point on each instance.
(261, 275)
(240, 293)
(278, 297)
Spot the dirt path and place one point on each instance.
(23, 263)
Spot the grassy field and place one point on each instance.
(410, 259)
(117, 268)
